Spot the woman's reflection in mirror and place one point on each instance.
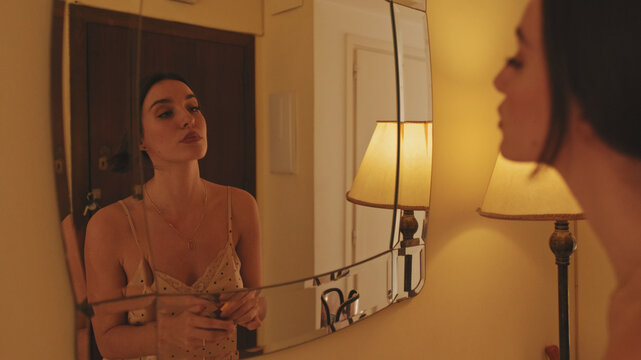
(205, 239)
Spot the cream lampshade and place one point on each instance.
(515, 192)
(374, 183)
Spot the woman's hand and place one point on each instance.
(244, 308)
(189, 329)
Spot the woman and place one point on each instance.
(572, 101)
(198, 232)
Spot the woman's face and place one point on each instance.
(174, 129)
(525, 111)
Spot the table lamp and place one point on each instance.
(520, 191)
(375, 181)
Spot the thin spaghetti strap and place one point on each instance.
(133, 228)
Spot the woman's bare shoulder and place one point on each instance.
(240, 197)
(108, 225)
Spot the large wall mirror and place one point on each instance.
(230, 176)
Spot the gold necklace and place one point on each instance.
(188, 239)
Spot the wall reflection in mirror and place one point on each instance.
(203, 153)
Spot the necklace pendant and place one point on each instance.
(190, 244)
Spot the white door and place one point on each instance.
(374, 98)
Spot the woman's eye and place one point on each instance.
(515, 63)
(165, 114)
(194, 109)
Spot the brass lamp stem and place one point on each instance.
(562, 244)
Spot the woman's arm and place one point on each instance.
(246, 224)
(105, 281)
(248, 308)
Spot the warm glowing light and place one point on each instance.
(375, 180)
(514, 193)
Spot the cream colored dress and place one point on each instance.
(222, 274)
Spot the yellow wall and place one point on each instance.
(490, 291)
(36, 302)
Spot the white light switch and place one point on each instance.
(282, 133)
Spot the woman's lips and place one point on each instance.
(191, 137)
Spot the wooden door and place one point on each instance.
(218, 65)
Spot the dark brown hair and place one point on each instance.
(121, 161)
(593, 51)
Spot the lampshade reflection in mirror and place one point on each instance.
(531, 191)
(375, 181)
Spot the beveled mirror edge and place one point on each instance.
(271, 286)
(70, 250)
(395, 294)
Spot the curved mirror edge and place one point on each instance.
(65, 111)
(312, 307)
(416, 122)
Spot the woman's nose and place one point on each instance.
(499, 80)
(188, 120)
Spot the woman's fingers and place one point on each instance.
(200, 330)
(236, 301)
(247, 316)
(241, 314)
(233, 296)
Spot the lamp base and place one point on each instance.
(408, 227)
(562, 244)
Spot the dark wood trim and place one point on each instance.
(78, 110)
(57, 128)
(195, 32)
(107, 17)
(115, 18)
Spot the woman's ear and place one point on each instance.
(142, 146)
